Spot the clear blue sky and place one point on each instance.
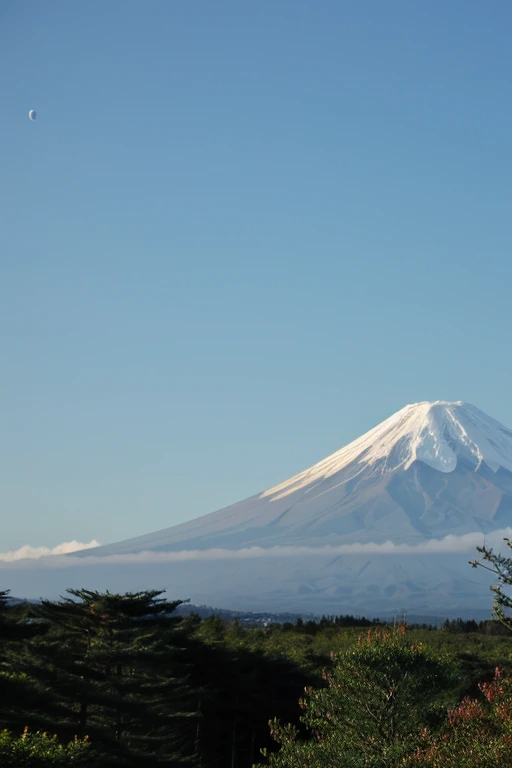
(237, 236)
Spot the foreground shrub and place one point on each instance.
(39, 750)
(478, 731)
(377, 699)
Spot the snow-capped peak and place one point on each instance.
(437, 434)
(427, 472)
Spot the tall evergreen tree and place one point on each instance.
(16, 688)
(112, 669)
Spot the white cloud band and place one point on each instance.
(46, 557)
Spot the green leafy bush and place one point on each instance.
(39, 750)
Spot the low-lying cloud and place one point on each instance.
(28, 552)
(47, 557)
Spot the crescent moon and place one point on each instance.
(32, 114)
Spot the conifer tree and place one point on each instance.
(112, 670)
(17, 690)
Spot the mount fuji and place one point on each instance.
(387, 523)
(430, 470)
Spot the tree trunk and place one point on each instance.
(82, 727)
(233, 745)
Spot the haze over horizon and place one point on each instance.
(234, 240)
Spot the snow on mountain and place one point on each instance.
(434, 433)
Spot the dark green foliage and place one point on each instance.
(146, 688)
(239, 688)
(16, 690)
(150, 688)
(108, 668)
(312, 627)
(458, 625)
